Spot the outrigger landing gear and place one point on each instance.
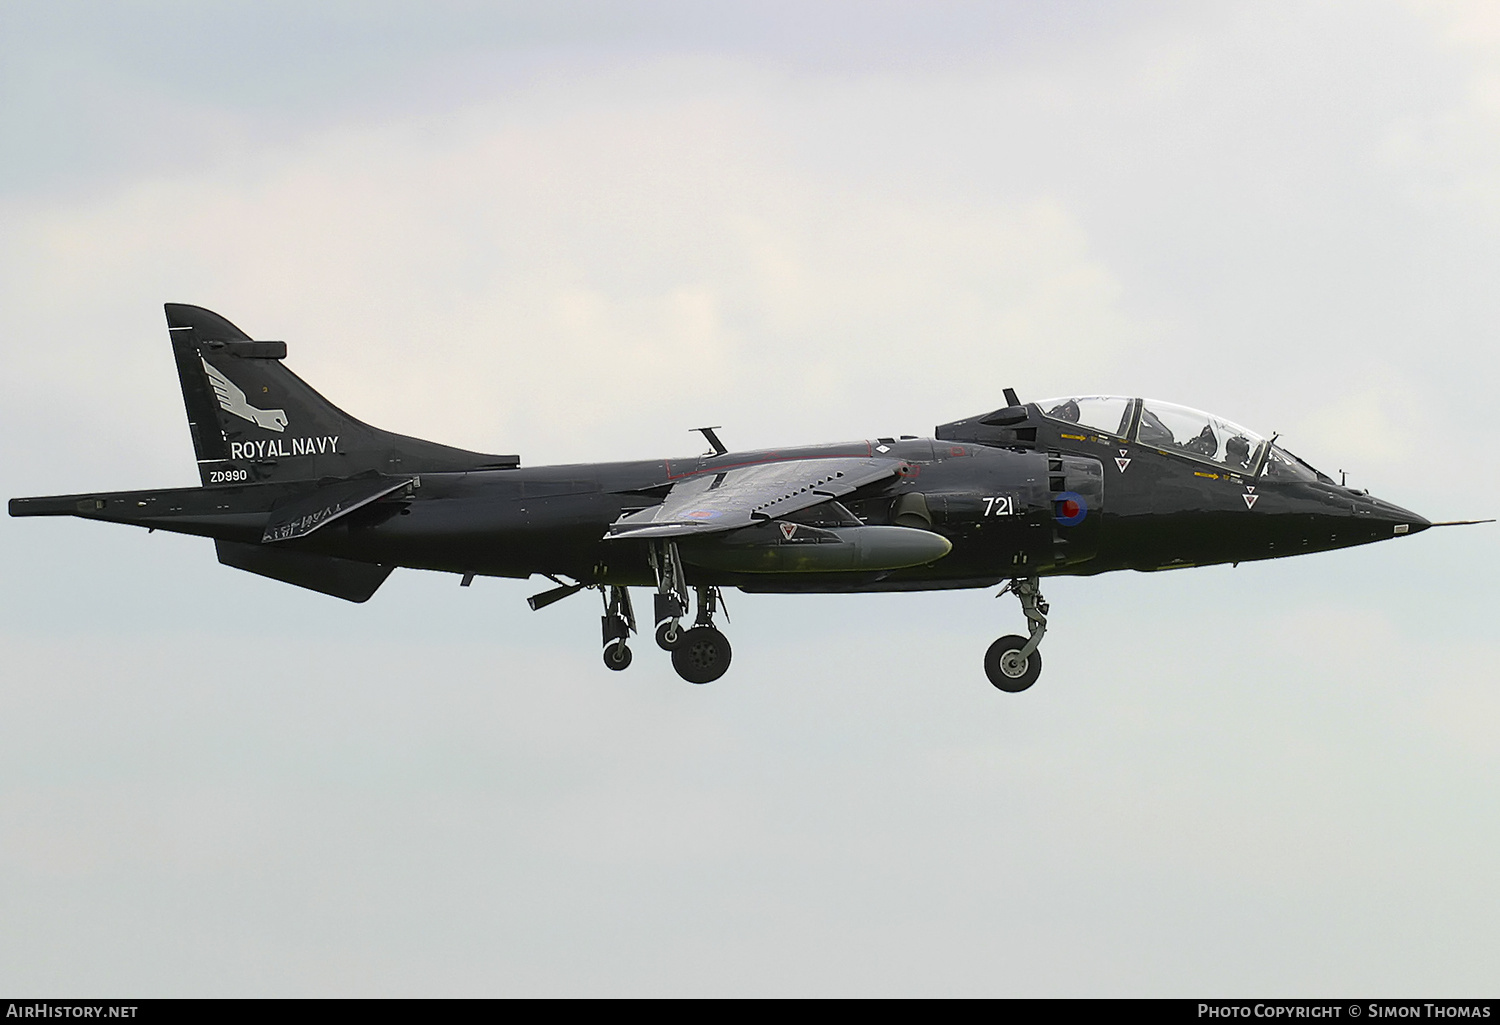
(619, 624)
(701, 655)
(1013, 663)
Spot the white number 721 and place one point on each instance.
(1003, 505)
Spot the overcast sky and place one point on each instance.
(574, 231)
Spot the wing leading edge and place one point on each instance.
(712, 502)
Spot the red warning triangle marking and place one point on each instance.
(788, 529)
(1250, 489)
(1250, 500)
(1124, 451)
(1122, 463)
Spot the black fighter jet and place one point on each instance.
(297, 490)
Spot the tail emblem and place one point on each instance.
(232, 400)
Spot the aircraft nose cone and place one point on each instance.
(1401, 521)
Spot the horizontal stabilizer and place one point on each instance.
(327, 504)
(341, 578)
(57, 505)
(235, 513)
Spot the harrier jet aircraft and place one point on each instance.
(297, 490)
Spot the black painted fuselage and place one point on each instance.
(297, 490)
(1141, 509)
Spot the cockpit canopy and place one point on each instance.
(1179, 430)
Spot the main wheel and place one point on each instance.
(669, 635)
(1008, 672)
(702, 655)
(617, 655)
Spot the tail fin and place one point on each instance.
(254, 420)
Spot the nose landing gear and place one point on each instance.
(1013, 663)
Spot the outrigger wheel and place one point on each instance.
(701, 655)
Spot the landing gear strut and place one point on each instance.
(1013, 663)
(671, 599)
(619, 623)
(701, 655)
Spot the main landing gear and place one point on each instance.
(1013, 663)
(700, 654)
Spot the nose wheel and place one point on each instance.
(1009, 669)
(1013, 663)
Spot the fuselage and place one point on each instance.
(1066, 507)
(1031, 497)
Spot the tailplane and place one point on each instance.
(254, 420)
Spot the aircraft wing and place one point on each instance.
(711, 502)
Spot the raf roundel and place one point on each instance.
(1069, 508)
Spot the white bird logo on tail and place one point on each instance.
(232, 400)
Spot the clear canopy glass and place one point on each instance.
(1168, 426)
(1107, 413)
(1181, 430)
(1282, 465)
